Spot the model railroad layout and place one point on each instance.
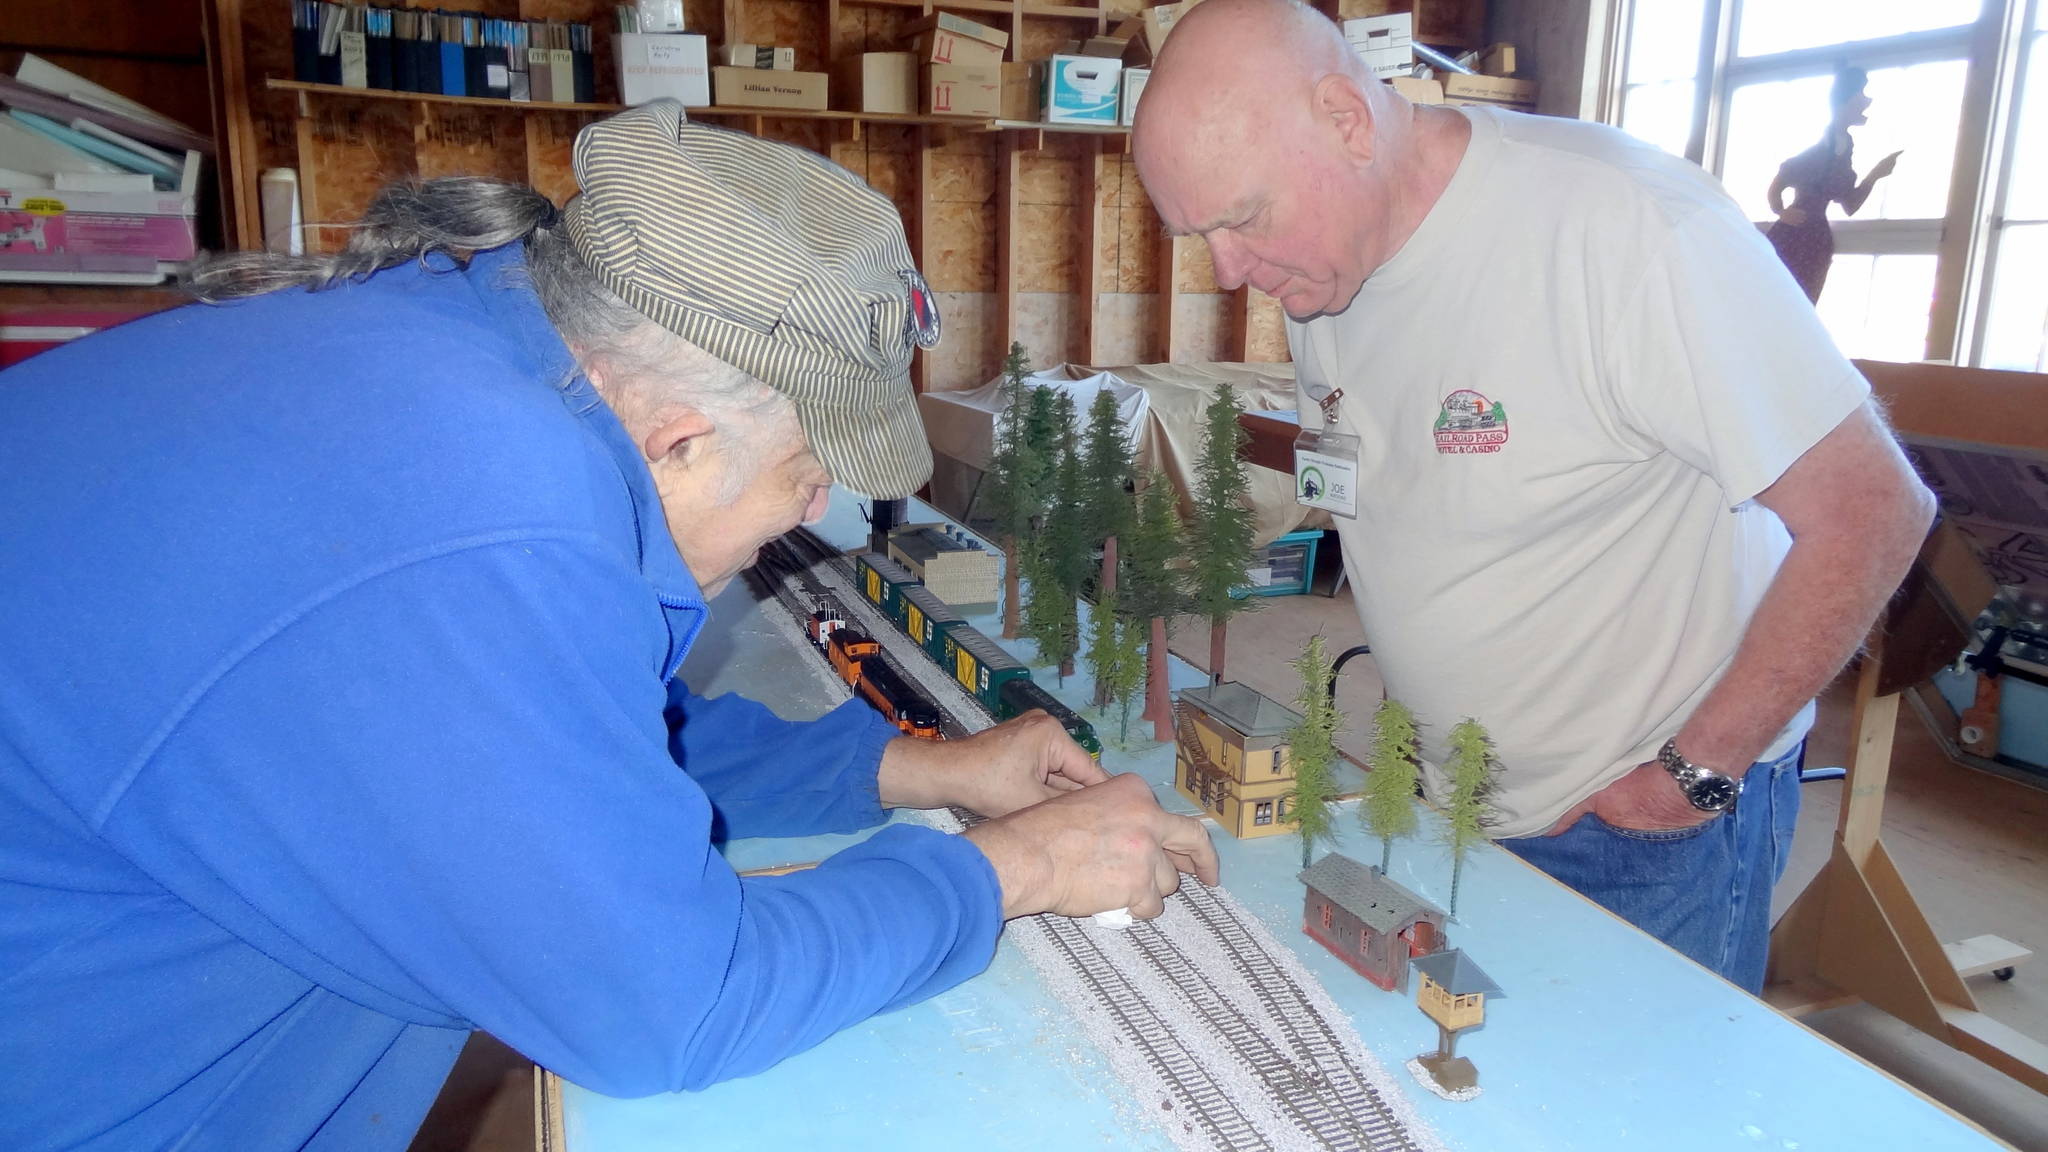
(1222, 1038)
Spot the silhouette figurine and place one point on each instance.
(1820, 176)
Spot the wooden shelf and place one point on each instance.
(305, 89)
(998, 8)
(713, 112)
(1035, 126)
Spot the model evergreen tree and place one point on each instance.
(1153, 590)
(1107, 512)
(1114, 659)
(1388, 806)
(1063, 553)
(1015, 489)
(1313, 746)
(1220, 536)
(1471, 769)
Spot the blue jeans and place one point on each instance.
(1704, 890)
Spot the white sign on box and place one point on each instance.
(653, 65)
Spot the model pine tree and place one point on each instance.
(1388, 806)
(1220, 535)
(1153, 590)
(1015, 488)
(1107, 511)
(1471, 769)
(1114, 659)
(1312, 745)
(1063, 555)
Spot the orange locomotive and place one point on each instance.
(856, 657)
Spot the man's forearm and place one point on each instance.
(1819, 608)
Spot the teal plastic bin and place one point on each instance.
(1284, 567)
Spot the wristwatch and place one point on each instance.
(1708, 790)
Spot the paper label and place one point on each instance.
(355, 60)
(1326, 472)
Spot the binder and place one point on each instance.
(306, 41)
(330, 43)
(586, 80)
(405, 67)
(454, 69)
(379, 58)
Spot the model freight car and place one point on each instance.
(997, 680)
(1021, 696)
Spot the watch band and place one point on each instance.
(1705, 789)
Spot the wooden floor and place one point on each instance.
(1974, 848)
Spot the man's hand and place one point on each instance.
(1106, 846)
(1014, 765)
(1645, 800)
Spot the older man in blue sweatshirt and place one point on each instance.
(338, 621)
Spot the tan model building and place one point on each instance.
(1231, 757)
(950, 564)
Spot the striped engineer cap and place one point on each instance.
(776, 261)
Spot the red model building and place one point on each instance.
(1370, 922)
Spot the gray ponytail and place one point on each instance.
(407, 221)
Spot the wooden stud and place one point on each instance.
(1009, 240)
(309, 185)
(240, 183)
(1169, 280)
(1091, 247)
(1237, 324)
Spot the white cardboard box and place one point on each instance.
(654, 65)
(1385, 43)
(1131, 87)
(1081, 90)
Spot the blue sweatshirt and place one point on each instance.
(336, 639)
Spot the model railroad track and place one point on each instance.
(1305, 1073)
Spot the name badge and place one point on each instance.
(1326, 472)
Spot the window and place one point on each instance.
(1326, 916)
(1262, 813)
(1740, 86)
(2014, 329)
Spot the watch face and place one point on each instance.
(1712, 793)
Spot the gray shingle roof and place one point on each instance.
(1383, 905)
(1242, 708)
(925, 541)
(1456, 972)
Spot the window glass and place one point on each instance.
(1664, 40)
(1659, 114)
(1914, 110)
(1782, 25)
(2016, 324)
(2026, 198)
(1876, 307)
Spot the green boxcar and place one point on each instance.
(981, 666)
(882, 581)
(927, 619)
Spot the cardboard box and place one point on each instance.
(1385, 43)
(1129, 89)
(882, 82)
(760, 56)
(1497, 91)
(654, 65)
(1499, 60)
(64, 231)
(660, 15)
(963, 90)
(1109, 47)
(1441, 23)
(1419, 91)
(943, 38)
(1081, 90)
(1023, 84)
(755, 88)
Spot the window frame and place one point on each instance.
(1964, 239)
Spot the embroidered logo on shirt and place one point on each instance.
(1470, 423)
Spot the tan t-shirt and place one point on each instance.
(1569, 385)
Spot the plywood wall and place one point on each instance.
(951, 176)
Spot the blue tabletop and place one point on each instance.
(1603, 1038)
